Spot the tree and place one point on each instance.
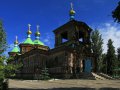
(110, 58)
(44, 74)
(96, 45)
(118, 56)
(104, 66)
(116, 13)
(3, 43)
(2, 49)
(6, 70)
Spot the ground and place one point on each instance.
(64, 85)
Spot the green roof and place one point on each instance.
(28, 41)
(38, 42)
(15, 49)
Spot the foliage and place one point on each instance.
(2, 39)
(2, 49)
(103, 67)
(117, 65)
(111, 58)
(96, 45)
(116, 13)
(118, 56)
(44, 74)
(6, 69)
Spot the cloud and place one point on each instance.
(110, 31)
(48, 39)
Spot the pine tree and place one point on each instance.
(110, 58)
(116, 13)
(96, 45)
(104, 67)
(6, 70)
(118, 56)
(2, 39)
(44, 74)
(2, 49)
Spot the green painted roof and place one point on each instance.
(15, 49)
(28, 41)
(38, 42)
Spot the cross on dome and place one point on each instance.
(29, 26)
(71, 4)
(37, 27)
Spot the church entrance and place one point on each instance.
(87, 65)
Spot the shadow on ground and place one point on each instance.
(73, 88)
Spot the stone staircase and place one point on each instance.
(102, 76)
(92, 76)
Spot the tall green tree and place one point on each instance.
(3, 43)
(96, 44)
(118, 56)
(6, 70)
(104, 66)
(2, 49)
(116, 13)
(110, 58)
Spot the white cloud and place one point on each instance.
(110, 31)
(48, 39)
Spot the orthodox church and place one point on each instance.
(71, 55)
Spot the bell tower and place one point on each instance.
(72, 32)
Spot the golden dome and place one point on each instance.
(37, 33)
(72, 12)
(29, 32)
(16, 42)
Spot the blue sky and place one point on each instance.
(50, 14)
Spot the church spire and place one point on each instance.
(29, 31)
(28, 40)
(37, 37)
(15, 49)
(37, 34)
(72, 12)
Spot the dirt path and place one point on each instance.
(64, 84)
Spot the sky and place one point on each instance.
(50, 14)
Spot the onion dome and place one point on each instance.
(37, 33)
(15, 49)
(16, 41)
(28, 40)
(38, 42)
(72, 12)
(37, 37)
(29, 32)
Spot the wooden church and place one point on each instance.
(71, 55)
